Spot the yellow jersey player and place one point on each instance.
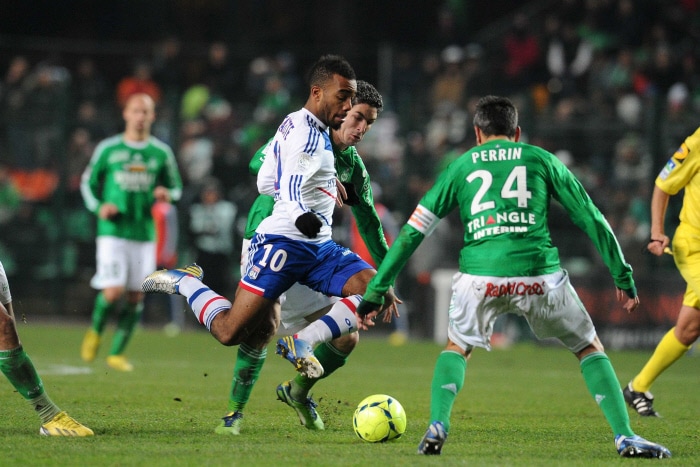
(681, 172)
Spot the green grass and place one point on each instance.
(524, 406)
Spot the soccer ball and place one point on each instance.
(379, 418)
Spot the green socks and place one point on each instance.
(448, 379)
(100, 312)
(16, 365)
(249, 362)
(128, 319)
(603, 385)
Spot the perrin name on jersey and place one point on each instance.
(495, 155)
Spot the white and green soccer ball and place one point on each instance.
(379, 418)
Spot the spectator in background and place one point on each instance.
(46, 102)
(196, 153)
(169, 70)
(15, 117)
(662, 72)
(632, 164)
(523, 56)
(221, 76)
(78, 153)
(259, 69)
(212, 222)
(88, 84)
(449, 85)
(569, 58)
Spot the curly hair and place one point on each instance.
(327, 66)
(368, 94)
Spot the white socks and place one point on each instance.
(205, 303)
(339, 321)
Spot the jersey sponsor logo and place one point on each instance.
(253, 272)
(484, 226)
(513, 288)
(136, 166)
(668, 168)
(500, 230)
(304, 162)
(681, 153)
(496, 155)
(134, 181)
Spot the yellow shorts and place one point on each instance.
(686, 254)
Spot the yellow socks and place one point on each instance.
(667, 352)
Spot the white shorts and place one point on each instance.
(5, 295)
(297, 302)
(548, 303)
(123, 263)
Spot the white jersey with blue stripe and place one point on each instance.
(300, 165)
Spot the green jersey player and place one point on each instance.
(125, 176)
(301, 304)
(503, 189)
(16, 365)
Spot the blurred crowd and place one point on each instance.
(611, 87)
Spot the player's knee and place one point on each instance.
(357, 284)
(226, 335)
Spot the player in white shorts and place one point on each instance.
(547, 302)
(502, 189)
(126, 175)
(122, 263)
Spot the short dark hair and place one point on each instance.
(327, 66)
(496, 115)
(368, 94)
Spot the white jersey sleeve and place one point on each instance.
(266, 174)
(304, 176)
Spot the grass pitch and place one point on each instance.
(524, 406)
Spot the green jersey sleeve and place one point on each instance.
(263, 204)
(258, 158)
(401, 250)
(586, 215)
(350, 168)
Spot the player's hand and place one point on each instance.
(366, 314)
(657, 244)
(108, 211)
(629, 298)
(309, 224)
(341, 193)
(391, 306)
(351, 197)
